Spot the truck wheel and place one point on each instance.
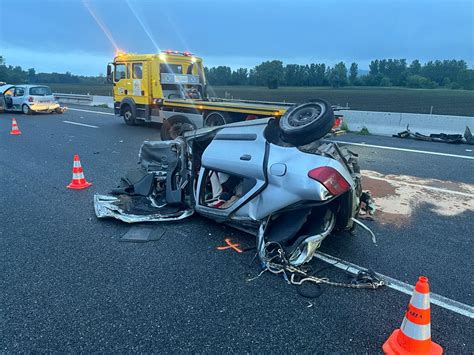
(216, 118)
(26, 109)
(305, 123)
(175, 126)
(128, 116)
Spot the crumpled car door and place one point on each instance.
(235, 151)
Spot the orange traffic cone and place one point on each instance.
(414, 336)
(15, 130)
(78, 180)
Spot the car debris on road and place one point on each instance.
(273, 178)
(467, 138)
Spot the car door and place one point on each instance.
(238, 152)
(19, 97)
(6, 92)
(122, 81)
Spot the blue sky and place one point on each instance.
(62, 35)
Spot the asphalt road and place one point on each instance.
(69, 285)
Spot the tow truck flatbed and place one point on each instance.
(238, 106)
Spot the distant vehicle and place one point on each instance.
(28, 99)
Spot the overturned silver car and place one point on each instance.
(276, 179)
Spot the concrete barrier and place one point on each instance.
(73, 98)
(388, 123)
(103, 100)
(89, 100)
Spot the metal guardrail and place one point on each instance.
(73, 97)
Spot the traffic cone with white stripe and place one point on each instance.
(414, 336)
(78, 180)
(15, 130)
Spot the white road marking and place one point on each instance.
(444, 302)
(99, 112)
(408, 150)
(432, 188)
(81, 124)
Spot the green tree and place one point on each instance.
(269, 73)
(31, 75)
(385, 82)
(240, 77)
(415, 67)
(338, 75)
(353, 71)
(466, 79)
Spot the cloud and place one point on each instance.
(238, 32)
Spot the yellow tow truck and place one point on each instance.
(170, 88)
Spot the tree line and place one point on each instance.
(16, 75)
(453, 74)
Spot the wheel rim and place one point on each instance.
(175, 130)
(127, 115)
(215, 119)
(306, 115)
(25, 109)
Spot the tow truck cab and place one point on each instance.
(142, 81)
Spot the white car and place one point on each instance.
(28, 99)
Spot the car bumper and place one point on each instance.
(44, 107)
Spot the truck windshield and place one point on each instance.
(171, 68)
(40, 91)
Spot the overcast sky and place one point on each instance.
(62, 35)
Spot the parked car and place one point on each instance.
(274, 178)
(28, 99)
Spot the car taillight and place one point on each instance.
(30, 99)
(331, 180)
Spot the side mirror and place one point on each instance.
(109, 73)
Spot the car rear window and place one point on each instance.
(40, 91)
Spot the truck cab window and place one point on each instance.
(137, 71)
(171, 68)
(120, 72)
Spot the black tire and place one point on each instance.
(216, 118)
(306, 123)
(128, 115)
(26, 109)
(175, 126)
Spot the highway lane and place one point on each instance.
(71, 285)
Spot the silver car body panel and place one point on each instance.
(104, 206)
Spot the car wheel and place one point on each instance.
(26, 109)
(175, 126)
(58, 110)
(216, 118)
(128, 116)
(305, 123)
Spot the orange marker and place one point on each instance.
(230, 245)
